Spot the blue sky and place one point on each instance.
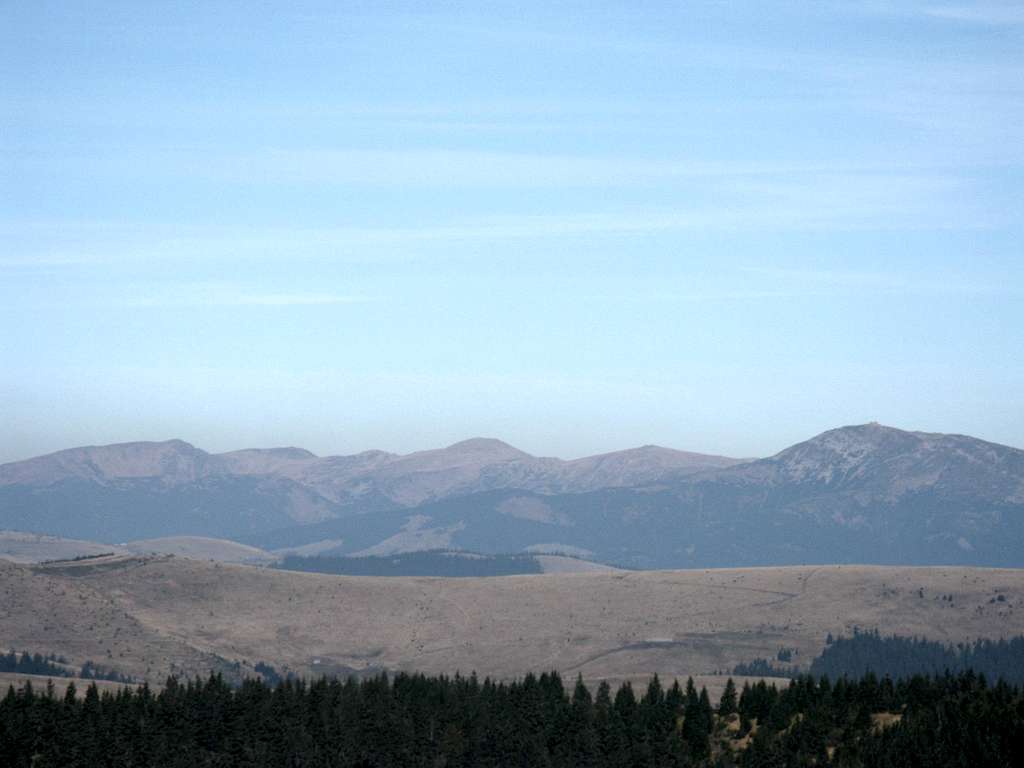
(577, 227)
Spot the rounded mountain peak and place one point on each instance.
(845, 452)
(486, 446)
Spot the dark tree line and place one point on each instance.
(434, 563)
(269, 673)
(51, 666)
(762, 668)
(408, 720)
(412, 720)
(924, 722)
(33, 664)
(896, 656)
(905, 656)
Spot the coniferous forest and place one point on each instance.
(411, 720)
(895, 656)
(905, 656)
(37, 664)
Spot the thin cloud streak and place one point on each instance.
(188, 298)
(807, 284)
(710, 296)
(833, 281)
(460, 168)
(207, 296)
(835, 201)
(991, 15)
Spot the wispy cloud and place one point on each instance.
(464, 167)
(242, 300)
(1003, 14)
(751, 284)
(442, 168)
(756, 201)
(709, 295)
(222, 296)
(936, 282)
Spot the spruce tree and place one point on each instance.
(706, 713)
(727, 704)
(695, 730)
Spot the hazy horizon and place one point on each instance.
(577, 229)
(535, 453)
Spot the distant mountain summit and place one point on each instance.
(871, 458)
(635, 466)
(173, 461)
(485, 448)
(862, 493)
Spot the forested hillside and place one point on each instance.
(895, 656)
(56, 666)
(904, 656)
(419, 721)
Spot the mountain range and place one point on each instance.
(865, 493)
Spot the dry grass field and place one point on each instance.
(34, 547)
(148, 616)
(22, 547)
(202, 548)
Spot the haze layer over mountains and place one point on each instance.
(868, 493)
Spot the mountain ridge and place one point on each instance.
(854, 492)
(466, 458)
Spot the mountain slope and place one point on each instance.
(864, 493)
(911, 494)
(174, 462)
(890, 463)
(219, 507)
(146, 490)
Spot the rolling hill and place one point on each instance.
(148, 616)
(21, 547)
